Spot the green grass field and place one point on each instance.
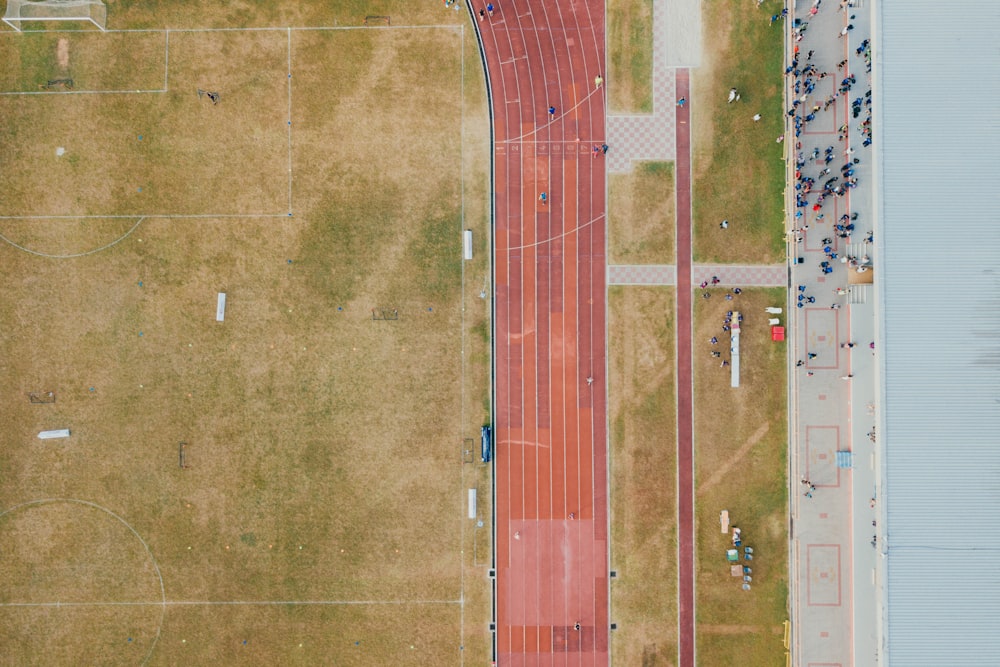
(741, 445)
(738, 172)
(322, 515)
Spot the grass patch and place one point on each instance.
(741, 466)
(642, 215)
(643, 473)
(259, 13)
(94, 60)
(630, 56)
(169, 153)
(737, 166)
(299, 409)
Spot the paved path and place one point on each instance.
(833, 559)
(636, 137)
(729, 275)
(550, 318)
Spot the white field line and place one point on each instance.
(558, 236)
(166, 60)
(84, 92)
(192, 216)
(78, 254)
(289, 121)
(461, 385)
(167, 31)
(161, 603)
(263, 29)
(224, 603)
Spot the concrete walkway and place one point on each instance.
(729, 275)
(833, 580)
(676, 43)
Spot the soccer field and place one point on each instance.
(289, 485)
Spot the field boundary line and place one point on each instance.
(461, 376)
(192, 216)
(415, 26)
(79, 254)
(166, 60)
(10, 93)
(289, 121)
(221, 603)
(166, 66)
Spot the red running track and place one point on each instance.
(685, 383)
(550, 268)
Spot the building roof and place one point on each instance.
(936, 122)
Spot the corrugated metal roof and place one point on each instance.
(937, 116)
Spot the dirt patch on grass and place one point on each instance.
(643, 472)
(62, 53)
(100, 60)
(642, 215)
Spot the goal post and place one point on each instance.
(19, 11)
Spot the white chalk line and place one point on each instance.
(448, 26)
(576, 106)
(166, 60)
(145, 215)
(85, 92)
(156, 567)
(79, 254)
(289, 121)
(226, 603)
(559, 236)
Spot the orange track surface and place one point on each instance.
(550, 267)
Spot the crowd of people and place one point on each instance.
(727, 321)
(815, 182)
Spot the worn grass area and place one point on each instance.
(643, 475)
(325, 449)
(257, 13)
(738, 171)
(740, 466)
(630, 56)
(286, 634)
(94, 60)
(642, 215)
(169, 153)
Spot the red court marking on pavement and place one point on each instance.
(550, 259)
(827, 562)
(685, 387)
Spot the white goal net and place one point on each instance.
(19, 11)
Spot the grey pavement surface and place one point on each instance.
(833, 579)
(735, 275)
